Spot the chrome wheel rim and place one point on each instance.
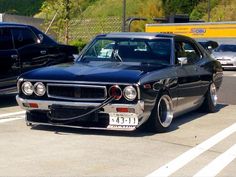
(165, 111)
(213, 94)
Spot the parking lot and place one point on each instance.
(197, 145)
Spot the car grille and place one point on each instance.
(76, 92)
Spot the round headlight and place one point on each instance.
(130, 93)
(27, 88)
(39, 89)
(115, 92)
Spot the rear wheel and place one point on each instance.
(162, 115)
(210, 102)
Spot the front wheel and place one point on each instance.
(162, 115)
(210, 102)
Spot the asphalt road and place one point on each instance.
(197, 145)
(227, 92)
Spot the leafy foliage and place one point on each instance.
(179, 6)
(20, 7)
(224, 10)
(201, 10)
(61, 12)
(69, 16)
(80, 44)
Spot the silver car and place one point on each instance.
(226, 55)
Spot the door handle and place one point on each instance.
(14, 57)
(196, 68)
(43, 52)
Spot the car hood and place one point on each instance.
(118, 72)
(224, 55)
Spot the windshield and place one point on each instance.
(129, 50)
(226, 48)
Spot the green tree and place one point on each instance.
(224, 10)
(152, 9)
(172, 7)
(20, 7)
(200, 12)
(58, 15)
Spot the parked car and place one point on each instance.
(209, 45)
(23, 48)
(226, 55)
(147, 80)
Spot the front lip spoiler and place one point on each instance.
(81, 127)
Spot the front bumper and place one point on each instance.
(110, 109)
(228, 64)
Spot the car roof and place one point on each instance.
(137, 35)
(7, 24)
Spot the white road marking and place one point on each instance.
(213, 168)
(11, 114)
(183, 159)
(9, 120)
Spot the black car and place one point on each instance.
(143, 79)
(23, 48)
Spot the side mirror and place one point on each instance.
(40, 38)
(182, 60)
(210, 48)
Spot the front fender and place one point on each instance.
(149, 92)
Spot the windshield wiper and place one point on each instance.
(116, 56)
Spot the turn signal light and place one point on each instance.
(33, 105)
(130, 110)
(122, 109)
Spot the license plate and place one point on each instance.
(123, 119)
(223, 62)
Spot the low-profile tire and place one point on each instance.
(162, 115)
(27, 117)
(210, 102)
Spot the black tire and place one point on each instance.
(161, 116)
(210, 102)
(27, 118)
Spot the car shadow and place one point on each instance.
(137, 133)
(177, 122)
(8, 100)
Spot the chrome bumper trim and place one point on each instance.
(45, 104)
(225, 66)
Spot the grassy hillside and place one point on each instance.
(20, 7)
(104, 8)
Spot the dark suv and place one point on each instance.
(23, 48)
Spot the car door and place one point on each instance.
(30, 52)
(9, 63)
(188, 72)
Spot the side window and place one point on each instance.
(5, 39)
(187, 49)
(23, 37)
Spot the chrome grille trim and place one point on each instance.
(77, 85)
(78, 82)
